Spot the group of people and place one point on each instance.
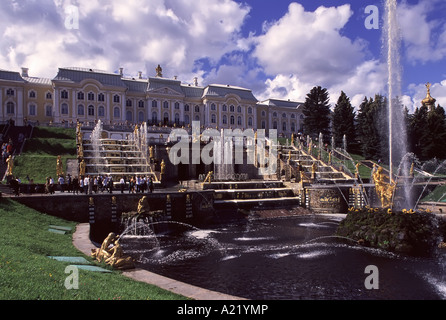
(90, 184)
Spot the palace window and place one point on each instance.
(225, 108)
(116, 99)
(283, 115)
(213, 107)
(166, 105)
(263, 113)
(101, 111)
(239, 120)
(90, 96)
(177, 106)
(154, 117)
(186, 107)
(284, 126)
(32, 110)
(275, 114)
(140, 116)
(213, 118)
(49, 111)
(239, 109)
(128, 103)
(250, 121)
(49, 95)
(10, 106)
(91, 110)
(101, 97)
(197, 109)
(263, 124)
(154, 104)
(80, 96)
(177, 118)
(64, 109)
(116, 113)
(186, 119)
(250, 110)
(231, 108)
(80, 110)
(64, 94)
(293, 127)
(10, 92)
(225, 119)
(275, 125)
(141, 104)
(232, 120)
(129, 116)
(166, 118)
(32, 94)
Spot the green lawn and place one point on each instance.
(26, 272)
(39, 157)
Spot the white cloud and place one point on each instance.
(418, 93)
(134, 34)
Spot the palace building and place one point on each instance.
(88, 95)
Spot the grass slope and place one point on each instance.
(26, 272)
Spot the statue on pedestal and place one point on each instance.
(10, 163)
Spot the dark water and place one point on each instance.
(284, 258)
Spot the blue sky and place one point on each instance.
(279, 49)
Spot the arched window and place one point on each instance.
(166, 105)
(64, 109)
(213, 107)
(186, 107)
(116, 99)
(186, 119)
(32, 94)
(101, 97)
(141, 104)
(140, 116)
(293, 116)
(166, 118)
(250, 110)
(225, 108)
(177, 118)
(177, 106)
(225, 119)
(154, 104)
(49, 95)
(80, 96)
(250, 121)
(32, 110)
(284, 126)
(263, 124)
(49, 110)
(213, 118)
(129, 116)
(10, 108)
(239, 109)
(275, 125)
(283, 115)
(231, 108)
(197, 108)
(239, 121)
(275, 114)
(232, 120)
(64, 94)
(128, 103)
(116, 113)
(197, 118)
(154, 117)
(263, 113)
(101, 111)
(90, 96)
(80, 110)
(293, 127)
(91, 110)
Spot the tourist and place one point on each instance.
(90, 185)
(151, 185)
(75, 185)
(132, 185)
(122, 184)
(61, 182)
(51, 185)
(81, 185)
(15, 185)
(86, 180)
(110, 184)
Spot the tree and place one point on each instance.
(373, 128)
(434, 134)
(316, 110)
(344, 121)
(417, 124)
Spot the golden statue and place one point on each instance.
(159, 71)
(313, 170)
(82, 168)
(10, 162)
(289, 157)
(208, 177)
(59, 166)
(80, 152)
(79, 136)
(384, 186)
(117, 258)
(143, 206)
(163, 167)
(151, 153)
(411, 171)
(111, 253)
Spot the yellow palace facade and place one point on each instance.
(88, 95)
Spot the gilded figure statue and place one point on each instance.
(163, 167)
(82, 168)
(10, 162)
(111, 253)
(59, 166)
(384, 186)
(143, 206)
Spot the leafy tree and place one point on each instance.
(434, 135)
(316, 110)
(344, 121)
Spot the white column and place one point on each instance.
(19, 116)
(56, 102)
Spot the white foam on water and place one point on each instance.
(201, 234)
(439, 285)
(279, 255)
(313, 254)
(253, 238)
(234, 256)
(313, 225)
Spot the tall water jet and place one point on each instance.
(96, 136)
(397, 130)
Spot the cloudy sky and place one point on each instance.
(279, 49)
